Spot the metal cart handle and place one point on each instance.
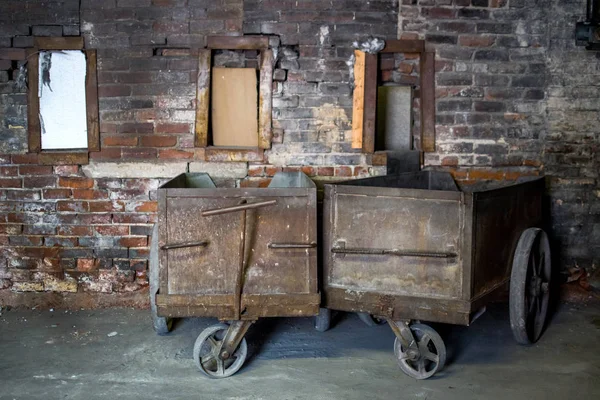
(241, 207)
(184, 244)
(392, 252)
(292, 245)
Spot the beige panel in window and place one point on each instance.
(234, 107)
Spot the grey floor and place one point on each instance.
(72, 355)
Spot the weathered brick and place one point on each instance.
(76, 183)
(158, 141)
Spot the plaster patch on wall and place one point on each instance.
(61, 91)
(332, 121)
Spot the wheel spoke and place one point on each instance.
(540, 265)
(207, 358)
(533, 300)
(421, 366)
(425, 340)
(220, 366)
(534, 262)
(213, 342)
(428, 355)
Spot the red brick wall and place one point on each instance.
(514, 97)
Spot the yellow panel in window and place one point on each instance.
(234, 107)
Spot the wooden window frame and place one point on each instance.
(265, 92)
(364, 110)
(68, 156)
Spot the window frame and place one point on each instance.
(364, 110)
(265, 92)
(67, 156)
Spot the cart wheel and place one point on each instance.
(530, 286)
(323, 320)
(370, 320)
(431, 357)
(206, 359)
(162, 325)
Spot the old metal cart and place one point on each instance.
(414, 247)
(237, 254)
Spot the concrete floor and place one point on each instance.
(70, 355)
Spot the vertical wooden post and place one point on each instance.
(202, 99)
(358, 99)
(370, 103)
(427, 62)
(91, 100)
(33, 102)
(265, 96)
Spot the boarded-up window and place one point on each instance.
(394, 118)
(234, 107)
(62, 94)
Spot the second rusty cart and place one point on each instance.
(237, 254)
(413, 247)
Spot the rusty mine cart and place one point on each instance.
(412, 247)
(237, 254)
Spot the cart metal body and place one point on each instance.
(237, 254)
(414, 247)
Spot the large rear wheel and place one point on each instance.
(530, 286)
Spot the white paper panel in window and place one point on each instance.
(62, 99)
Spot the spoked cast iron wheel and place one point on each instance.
(206, 354)
(530, 286)
(430, 358)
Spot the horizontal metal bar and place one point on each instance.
(203, 243)
(241, 207)
(392, 252)
(292, 245)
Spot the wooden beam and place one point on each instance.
(33, 103)
(427, 73)
(238, 42)
(404, 46)
(265, 97)
(202, 99)
(91, 100)
(63, 158)
(358, 99)
(370, 103)
(59, 43)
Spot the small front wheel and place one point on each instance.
(323, 320)
(370, 320)
(207, 358)
(426, 358)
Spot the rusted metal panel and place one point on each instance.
(206, 270)
(162, 235)
(252, 251)
(398, 307)
(418, 237)
(501, 215)
(395, 247)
